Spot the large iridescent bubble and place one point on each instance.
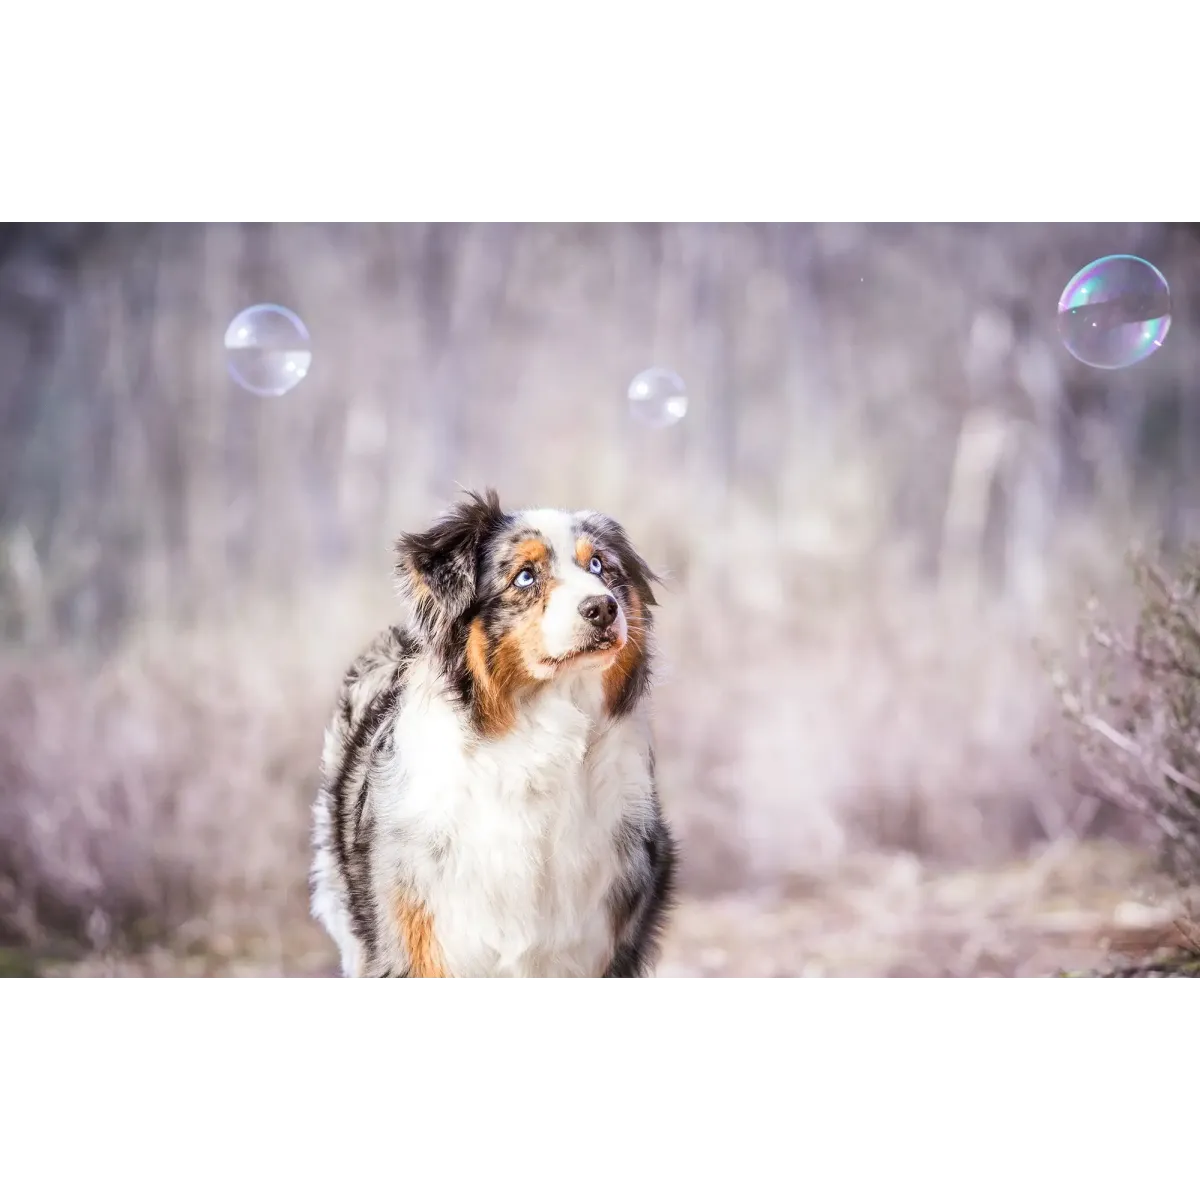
(1115, 312)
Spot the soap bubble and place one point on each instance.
(1115, 312)
(267, 349)
(658, 398)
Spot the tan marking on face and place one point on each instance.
(499, 685)
(584, 550)
(416, 928)
(630, 655)
(531, 550)
(526, 636)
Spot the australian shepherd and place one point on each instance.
(488, 803)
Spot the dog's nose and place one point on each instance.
(600, 611)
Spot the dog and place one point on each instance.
(488, 804)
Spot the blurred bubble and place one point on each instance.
(267, 349)
(658, 398)
(1115, 312)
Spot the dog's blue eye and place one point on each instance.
(595, 566)
(524, 578)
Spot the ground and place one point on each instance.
(1077, 909)
(1082, 909)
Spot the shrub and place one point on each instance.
(1134, 700)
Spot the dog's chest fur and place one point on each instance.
(513, 844)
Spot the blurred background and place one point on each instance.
(892, 495)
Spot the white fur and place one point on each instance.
(527, 822)
(329, 907)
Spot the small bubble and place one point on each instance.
(1115, 312)
(267, 349)
(658, 398)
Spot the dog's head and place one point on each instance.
(514, 601)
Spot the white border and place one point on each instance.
(974, 1088)
(645, 111)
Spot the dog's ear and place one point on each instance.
(437, 568)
